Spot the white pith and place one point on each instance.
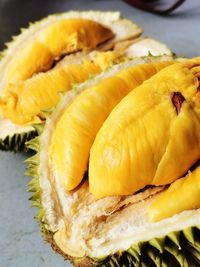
(149, 46)
(86, 235)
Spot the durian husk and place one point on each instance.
(179, 248)
(13, 137)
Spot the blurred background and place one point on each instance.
(180, 30)
(20, 242)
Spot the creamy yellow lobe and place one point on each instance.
(183, 194)
(144, 141)
(76, 129)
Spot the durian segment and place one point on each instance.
(57, 39)
(133, 150)
(183, 194)
(76, 129)
(24, 101)
(61, 34)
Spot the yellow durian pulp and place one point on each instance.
(51, 42)
(183, 194)
(28, 83)
(22, 102)
(77, 127)
(144, 141)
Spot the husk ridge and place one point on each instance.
(16, 142)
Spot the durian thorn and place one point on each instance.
(155, 257)
(134, 253)
(189, 235)
(39, 127)
(33, 160)
(158, 243)
(33, 144)
(175, 238)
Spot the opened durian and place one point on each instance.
(29, 76)
(53, 55)
(95, 182)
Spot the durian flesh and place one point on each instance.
(27, 74)
(86, 227)
(132, 150)
(71, 148)
(23, 102)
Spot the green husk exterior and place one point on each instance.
(177, 249)
(34, 185)
(16, 142)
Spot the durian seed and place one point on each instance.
(177, 100)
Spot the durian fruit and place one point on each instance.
(118, 230)
(29, 74)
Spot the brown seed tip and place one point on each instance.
(177, 100)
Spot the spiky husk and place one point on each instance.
(177, 249)
(16, 142)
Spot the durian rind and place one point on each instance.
(15, 139)
(177, 249)
(16, 142)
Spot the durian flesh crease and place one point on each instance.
(96, 228)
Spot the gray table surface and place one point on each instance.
(20, 242)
